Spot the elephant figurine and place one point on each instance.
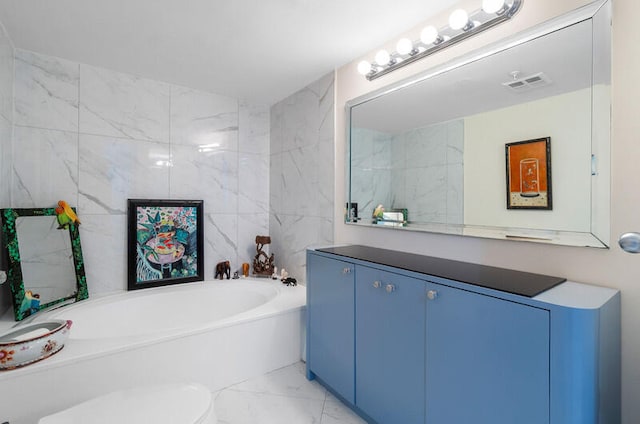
(223, 268)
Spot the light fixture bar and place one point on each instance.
(478, 22)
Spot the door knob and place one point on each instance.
(432, 294)
(346, 270)
(390, 288)
(377, 284)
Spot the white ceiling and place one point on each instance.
(259, 50)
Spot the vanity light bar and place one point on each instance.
(461, 26)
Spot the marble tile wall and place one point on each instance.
(302, 174)
(6, 134)
(420, 170)
(97, 137)
(427, 176)
(371, 170)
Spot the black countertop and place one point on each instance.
(506, 280)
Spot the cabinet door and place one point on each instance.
(330, 305)
(487, 359)
(390, 346)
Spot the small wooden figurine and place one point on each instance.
(262, 264)
(290, 281)
(222, 269)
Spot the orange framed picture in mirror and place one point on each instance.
(529, 174)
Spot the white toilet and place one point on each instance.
(164, 404)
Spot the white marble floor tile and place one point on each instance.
(281, 396)
(335, 412)
(289, 381)
(235, 407)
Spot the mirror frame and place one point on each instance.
(11, 251)
(567, 238)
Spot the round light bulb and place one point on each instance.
(492, 6)
(458, 19)
(364, 67)
(404, 46)
(429, 35)
(383, 58)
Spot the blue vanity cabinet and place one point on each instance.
(411, 339)
(487, 359)
(390, 331)
(330, 324)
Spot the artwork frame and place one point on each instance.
(165, 242)
(528, 172)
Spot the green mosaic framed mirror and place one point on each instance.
(44, 260)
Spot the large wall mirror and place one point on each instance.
(45, 263)
(433, 149)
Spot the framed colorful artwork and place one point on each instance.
(165, 242)
(529, 174)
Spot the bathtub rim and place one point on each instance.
(289, 300)
(265, 288)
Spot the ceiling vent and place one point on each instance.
(528, 83)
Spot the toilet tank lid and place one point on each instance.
(163, 404)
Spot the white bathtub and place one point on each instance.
(216, 333)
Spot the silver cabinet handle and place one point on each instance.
(377, 284)
(390, 288)
(432, 294)
(346, 270)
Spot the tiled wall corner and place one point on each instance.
(429, 185)
(302, 174)
(254, 174)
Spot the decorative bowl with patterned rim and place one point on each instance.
(31, 343)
